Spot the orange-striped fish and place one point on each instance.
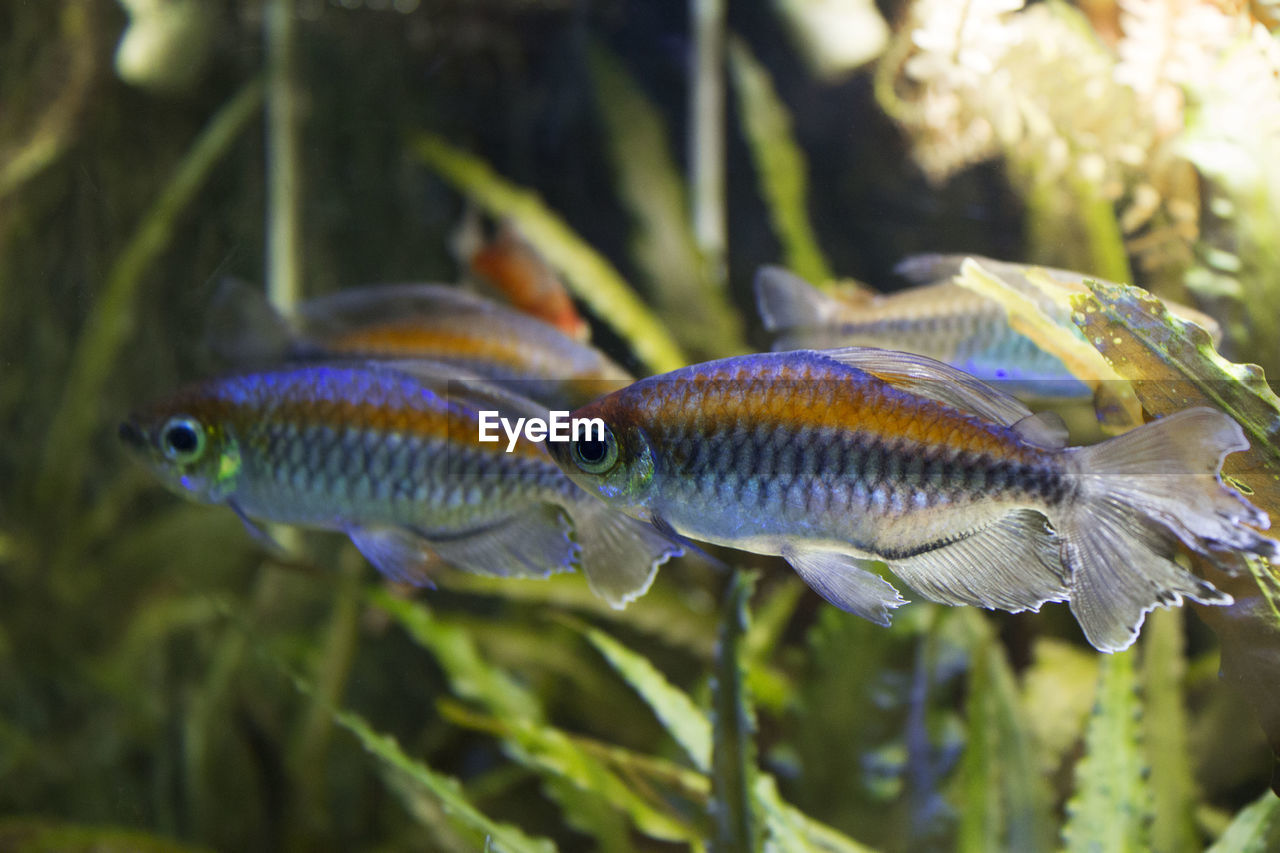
(833, 459)
(508, 263)
(392, 458)
(938, 318)
(436, 322)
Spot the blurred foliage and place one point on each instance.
(149, 652)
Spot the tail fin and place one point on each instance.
(620, 555)
(1139, 495)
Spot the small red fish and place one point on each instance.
(508, 263)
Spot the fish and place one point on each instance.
(836, 459)
(434, 322)
(389, 454)
(509, 264)
(937, 318)
(944, 321)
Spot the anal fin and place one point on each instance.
(533, 543)
(1011, 564)
(846, 582)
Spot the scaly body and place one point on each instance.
(831, 459)
(392, 459)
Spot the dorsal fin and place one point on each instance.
(1045, 429)
(243, 328)
(446, 379)
(372, 305)
(786, 301)
(932, 379)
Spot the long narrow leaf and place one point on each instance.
(1006, 803)
(686, 722)
(780, 164)
(591, 277)
(788, 830)
(1256, 829)
(1110, 809)
(650, 185)
(1164, 727)
(499, 836)
(470, 675)
(560, 757)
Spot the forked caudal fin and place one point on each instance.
(1138, 495)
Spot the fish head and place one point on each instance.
(187, 446)
(610, 455)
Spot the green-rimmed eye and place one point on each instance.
(182, 439)
(595, 454)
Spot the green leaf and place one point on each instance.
(470, 676)
(1256, 829)
(1111, 806)
(650, 185)
(733, 752)
(496, 836)
(780, 164)
(1060, 685)
(1006, 801)
(31, 835)
(684, 720)
(788, 830)
(557, 755)
(587, 273)
(1164, 728)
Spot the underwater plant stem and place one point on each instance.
(733, 753)
(112, 320)
(284, 256)
(1171, 776)
(53, 130)
(706, 134)
(332, 669)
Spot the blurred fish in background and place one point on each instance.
(936, 317)
(507, 263)
(437, 322)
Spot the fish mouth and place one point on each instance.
(131, 434)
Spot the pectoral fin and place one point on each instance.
(256, 531)
(845, 581)
(620, 554)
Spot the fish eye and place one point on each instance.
(182, 439)
(595, 455)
